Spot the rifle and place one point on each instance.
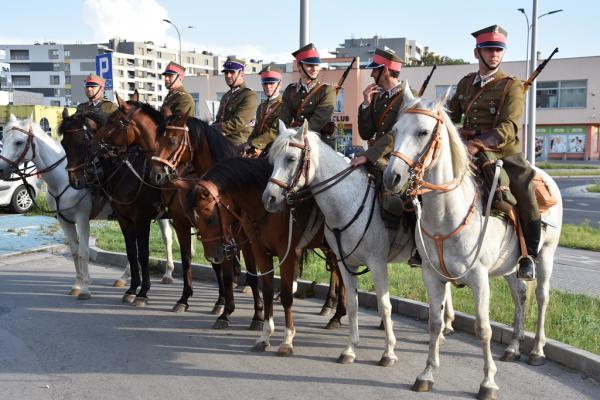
(424, 86)
(344, 76)
(527, 84)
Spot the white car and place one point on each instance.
(15, 195)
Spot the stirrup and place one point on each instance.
(526, 275)
(415, 260)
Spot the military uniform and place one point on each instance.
(178, 100)
(235, 117)
(314, 101)
(266, 127)
(102, 108)
(490, 108)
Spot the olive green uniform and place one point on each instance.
(179, 102)
(318, 109)
(103, 109)
(493, 119)
(375, 123)
(266, 127)
(236, 113)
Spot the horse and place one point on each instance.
(174, 149)
(76, 132)
(303, 166)
(231, 191)
(430, 158)
(24, 141)
(140, 124)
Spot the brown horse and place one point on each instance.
(237, 184)
(175, 149)
(141, 125)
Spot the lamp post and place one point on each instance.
(530, 100)
(179, 33)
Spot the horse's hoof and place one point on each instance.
(180, 308)
(140, 301)
(381, 326)
(333, 324)
(448, 331)
(345, 359)
(218, 309)
(260, 347)
(325, 311)
(246, 289)
(285, 350)
(510, 356)
(166, 280)
(386, 362)
(84, 296)
(486, 393)
(119, 283)
(128, 298)
(256, 325)
(74, 292)
(422, 386)
(221, 324)
(536, 360)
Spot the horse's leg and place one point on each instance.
(267, 290)
(83, 233)
(287, 272)
(331, 299)
(122, 280)
(222, 321)
(167, 236)
(380, 277)
(435, 293)
(252, 281)
(351, 282)
(131, 249)
(544, 268)
(185, 241)
(336, 321)
(220, 304)
(142, 232)
(71, 233)
(518, 290)
(448, 312)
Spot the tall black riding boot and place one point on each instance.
(532, 232)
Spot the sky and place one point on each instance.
(269, 29)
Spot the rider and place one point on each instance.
(308, 98)
(267, 114)
(177, 100)
(235, 118)
(382, 100)
(490, 104)
(97, 104)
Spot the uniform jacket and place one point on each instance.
(103, 109)
(266, 127)
(180, 102)
(235, 117)
(318, 109)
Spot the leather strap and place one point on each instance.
(310, 95)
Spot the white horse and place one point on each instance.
(24, 141)
(427, 140)
(303, 163)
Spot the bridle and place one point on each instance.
(123, 126)
(87, 141)
(174, 159)
(29, 144)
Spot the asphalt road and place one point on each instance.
(53, 346)
(579, 206)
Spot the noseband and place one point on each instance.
(175, 157)
(302, 170)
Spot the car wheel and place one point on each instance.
(21, 202)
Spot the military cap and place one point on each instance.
(233, 64)
(173, 68)
(307, 54)
(385, 57)
(492, 36)
(270, 74)
(93, 80)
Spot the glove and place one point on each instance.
(475, 146)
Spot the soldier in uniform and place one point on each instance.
(235, 118)
(177, 100)
(490, 104)
(266, 127)
(97, 104)
(308, 98)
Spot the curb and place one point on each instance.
(585, 362)
(51, 248)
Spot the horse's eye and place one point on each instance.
(291, 159)
(19, 142)
(423, 133)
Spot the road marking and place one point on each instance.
(577, 209)
(568, 200)
(583, 204)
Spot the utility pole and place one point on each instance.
(530, 148)
(304, 22)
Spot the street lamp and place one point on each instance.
(179, 33)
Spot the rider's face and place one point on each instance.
(310, 71)
(171, 80)
(233, 77)
(491, 55)
(270, 88)
(94, 92)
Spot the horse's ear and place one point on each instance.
(12, 118)
(167, 112)
(303, 130)
(282, 127)
(442, 100)
(65, 113)
(122, 103)
(135, 96)
(91, 123)
(408, 94)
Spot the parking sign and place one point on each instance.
(104, 69)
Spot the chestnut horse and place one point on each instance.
(237, 184)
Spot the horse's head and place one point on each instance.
(77, 132)
(420, 135)
(18, 144)
(174, 149)
(212, 220)
(291, 158)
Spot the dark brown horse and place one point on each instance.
(238, 184)
(138, 124)
(175, 149)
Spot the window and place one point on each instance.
(53, 54)
(562, 94)
(205, 62)
(67, 79)
(57, 93)
(67, 92)
(55, 103)
(20, 67)
(19, 54)
(67, 53)
(21, 80)
(56, 67)
(54, 80)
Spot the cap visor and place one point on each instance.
(311, 60)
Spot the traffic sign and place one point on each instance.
(104, 69)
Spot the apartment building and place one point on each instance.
(407, 49)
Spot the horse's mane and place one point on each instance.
(280, 144)
(147, 109)
(240, 174)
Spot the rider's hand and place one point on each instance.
(358, 161)
(369, 92)
(475, 146)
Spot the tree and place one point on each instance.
(429, 59)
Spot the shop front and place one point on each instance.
(566, 142)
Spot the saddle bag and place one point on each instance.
(504, 200)
(544, 198)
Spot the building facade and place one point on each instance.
(409, 50)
